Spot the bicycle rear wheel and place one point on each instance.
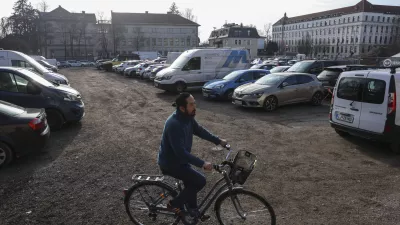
(244, 207)
(146, 203)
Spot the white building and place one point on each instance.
(342, 32)
(237, 36)
(153, 32)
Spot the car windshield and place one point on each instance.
(277, 69)
(300, 67)
(180, 62)
(35, 65)
(232, 75)
(271, 79)
(10, 109)
(331, 73)
(255, 66)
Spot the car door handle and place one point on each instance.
(354, 109)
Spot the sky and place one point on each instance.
(209, 13)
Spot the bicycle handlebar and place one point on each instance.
(217, 167)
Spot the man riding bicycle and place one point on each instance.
(174, 157)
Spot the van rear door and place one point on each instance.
(347, 103)
(375, 102)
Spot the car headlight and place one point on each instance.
(70, 97)
(220, 86)
(166, 77)
(257, 95)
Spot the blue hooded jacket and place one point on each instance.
(177, 139)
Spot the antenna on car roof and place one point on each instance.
(393, 70)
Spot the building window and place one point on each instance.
(165, 41)
(171, 42)
(370, 39)
(372, 19)
(379, 18)
(333, 49)
(385, 42)
(366, 18)
(376, 39)
(248, 42)
(182, 41)
(354, 19)
(364, 40)
(188, 41)
(394, 20)
(176, 41)
(387, 29)
(390, 40)
(159, 41)
(240, 42)
(377, 28)
(381, 29)
(154, 40)
(380, 40)
(236, 42)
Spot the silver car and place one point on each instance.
(279, 89)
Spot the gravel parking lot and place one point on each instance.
(309, 174)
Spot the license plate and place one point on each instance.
(237, 102)
(345, 118)
(205, 94)
(155, 84)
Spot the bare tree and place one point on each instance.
(174, 9)
(46, 35)
(63, 31)
(42, 6)
(4, 27)
(103, 33)
(138, 40)
(268, 32)
(305, 45)
(188, 14)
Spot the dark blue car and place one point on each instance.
(223, 88)
(27, 89)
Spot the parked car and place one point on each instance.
(365, 104)
(22, 130)
(147, 72)
(314, 66)
(279, 69)
(99, 63)
(74, 63)
(127, 64)
(223, 88)
(141, 69)
(87, 63)
(47, 65)
(63, 64)
(27, 89)
(263, 66)
(292, 62)
(156, 70)
(279, 89)
(19, 59)
(107, 65)
(329, 75)
(131, 71)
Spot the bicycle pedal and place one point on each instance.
(205, 218)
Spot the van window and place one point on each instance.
(193, 64)
(374, 91)
(330, 73)
(362, 90)
(7, 82)
(20, 63)
(350, 88)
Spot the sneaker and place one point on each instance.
(175, 210)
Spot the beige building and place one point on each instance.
(237, 36)
(162, 33)
(66, 35)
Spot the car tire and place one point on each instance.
(317, 98)
(228, 94)
(270, 103)
(180, 87)
(55, 119)
(342, 133)
(6, 154)
(131, 74)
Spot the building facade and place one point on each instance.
(339, 33)
(66, 35)
(237, 36)
(163, 33)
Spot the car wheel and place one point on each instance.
(228, 94)
(180, 87)
(270, 103)
(55, 119)
(317, 98)
(342, 133)
(6, 154)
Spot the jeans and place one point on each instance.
(193, 182)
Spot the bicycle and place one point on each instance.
(153, 201)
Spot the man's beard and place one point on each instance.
(193, 114)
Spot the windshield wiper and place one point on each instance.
(55, 83)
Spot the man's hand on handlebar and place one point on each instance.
(223, 142)
(208, 166)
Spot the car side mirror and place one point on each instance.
(32, 89)
(284, 84)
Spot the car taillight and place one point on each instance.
(391, 103)
(37, 124)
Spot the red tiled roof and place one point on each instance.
(362, 6)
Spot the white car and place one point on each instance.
(87, 63)
(74, 63)
(364, 104)
(126, 64)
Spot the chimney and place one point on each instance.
(147, 12)
(83, 12)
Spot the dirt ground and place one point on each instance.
(306, 171)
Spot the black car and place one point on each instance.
(329, 75)
(314, 66)
(48, 65)
(22, 130)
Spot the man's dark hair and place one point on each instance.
(181, 100)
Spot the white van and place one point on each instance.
(172, 56)
(364, 103)
(18, 59)
(193, 68)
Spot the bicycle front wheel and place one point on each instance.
(244, 207)
(146, 203)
